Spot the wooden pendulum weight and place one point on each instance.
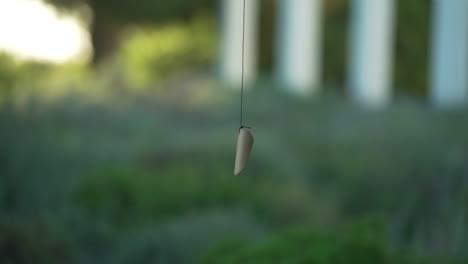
(245, 142)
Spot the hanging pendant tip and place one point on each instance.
(245, 142)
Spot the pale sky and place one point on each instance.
(30, 29)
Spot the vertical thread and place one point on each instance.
(243, 66)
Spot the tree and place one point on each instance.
(110, 17)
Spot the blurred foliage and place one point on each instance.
(335, 41)
(20, 80)
(174, 190)
(266, 36)
(109, 18)
(140, 11)
(152, 55)
(7, 73)
(15, 74)
(412, 46)
(362, 241)
(138, 179)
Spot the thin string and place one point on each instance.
(242, 78)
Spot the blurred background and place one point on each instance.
(119, 119)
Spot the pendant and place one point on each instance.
(245, 142)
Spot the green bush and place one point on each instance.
(360, 242)
(132, 195)
(7, 73)
(153, 55)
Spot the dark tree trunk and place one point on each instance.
(105, 36)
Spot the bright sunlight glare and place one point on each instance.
(31, 29)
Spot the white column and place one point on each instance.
(371, 51)
(299, 45)
(231, 41)
(449, 86)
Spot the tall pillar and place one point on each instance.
(231, 41)
(299, 45)
(449, 69)
(371, 51)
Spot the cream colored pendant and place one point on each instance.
(245, 142)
